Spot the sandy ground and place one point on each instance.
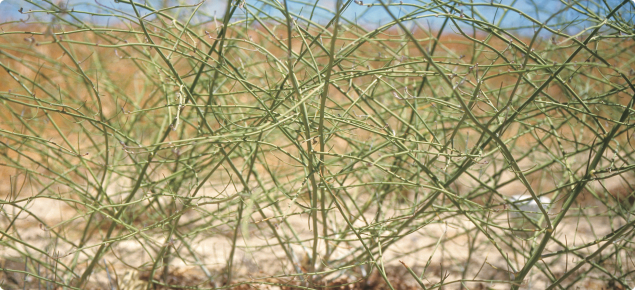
(449, 254)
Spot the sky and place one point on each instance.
(369, 17)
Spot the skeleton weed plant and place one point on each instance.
(303, 145)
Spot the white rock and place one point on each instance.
(527, 204)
